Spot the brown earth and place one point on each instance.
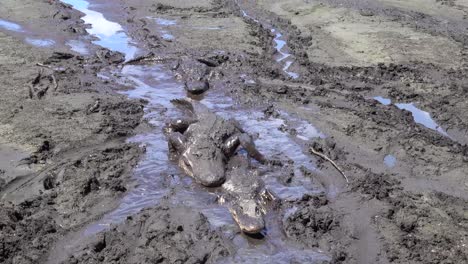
(68, 135)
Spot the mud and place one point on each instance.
(376, 86)
(164, 234)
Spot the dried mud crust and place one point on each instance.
(164, 234)
(417, 227)
(343, 95)
(425, 228)
(376, 186)
(77, 132)
(344, 92)
(103, 178)
(74, 126)
(435, 88)
(316, 225)
(26, 230)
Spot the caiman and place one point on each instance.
(203, 143)
(245, 195)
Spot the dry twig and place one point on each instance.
(323, 156)
(54, 80)
(44, 66)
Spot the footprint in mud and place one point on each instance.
(42, 84)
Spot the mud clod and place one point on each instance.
(158, 235)
(429, 228)
(378, 186)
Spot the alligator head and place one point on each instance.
(205, 162)
(249, 214)
(247, 198)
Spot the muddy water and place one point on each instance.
(7, 25)
(110, 34)
(158, 178)
(28, 36)
(419, 116)
(390, 161)
(283, 57)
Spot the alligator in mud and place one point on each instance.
(245, 195)
(194, 73)
(204, 143)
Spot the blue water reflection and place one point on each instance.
(10, 26)
(40, 42)
(110, 34)
(390, 161)
(419, 116)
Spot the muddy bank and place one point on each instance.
(164, 234)
(65, 131)
(358, 98)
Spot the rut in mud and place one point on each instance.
(95, 183)
(158, 179)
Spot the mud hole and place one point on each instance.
(84, 172)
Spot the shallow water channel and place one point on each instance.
(29, 37)
(159, 178)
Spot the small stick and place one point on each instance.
(54, 80)
(42, 65)
(323, 156)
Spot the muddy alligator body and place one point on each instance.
(245, 195)
(204, 142)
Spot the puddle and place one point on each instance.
(78, 46)
(390, 161)
(167, 36)
(10, 26)
(419, 116)
(290, 73)
(249, 17)
(384, 101)
(165, 22)
(280, 45)
(40, 42)
(110, 34)
(422, 117)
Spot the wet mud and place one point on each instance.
(364, 130)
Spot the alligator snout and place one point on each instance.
(212, 179)
(248, 217)
(197, 87)
(254, 226)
